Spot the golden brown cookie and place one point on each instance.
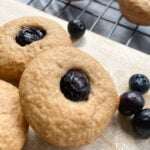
(13, 56)
(13, 127)
(136, 11)
(67, 119)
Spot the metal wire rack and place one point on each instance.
(100, 16)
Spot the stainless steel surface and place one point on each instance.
(100, 16)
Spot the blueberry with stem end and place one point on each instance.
(139, 82)
(76, 28)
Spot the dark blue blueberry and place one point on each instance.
(28, 35)
(141, 123)
(130, 103)
(75, 85)
(139, 82)
(76, 28)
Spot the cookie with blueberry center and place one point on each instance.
(67, 96)
(22, 39)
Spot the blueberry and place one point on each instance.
(28, 35)
(76, 28)
(75, 85)
(139, 82)
(141, 123)
(130, 103)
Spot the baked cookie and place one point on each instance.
(22, 39)
(13, 127)
(67, 96)
(136, 11)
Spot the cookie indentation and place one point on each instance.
(28, 35)
(75, 85)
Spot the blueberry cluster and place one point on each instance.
(132, 103)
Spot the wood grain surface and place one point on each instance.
(120, 61)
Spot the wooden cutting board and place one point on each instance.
(120, 61)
